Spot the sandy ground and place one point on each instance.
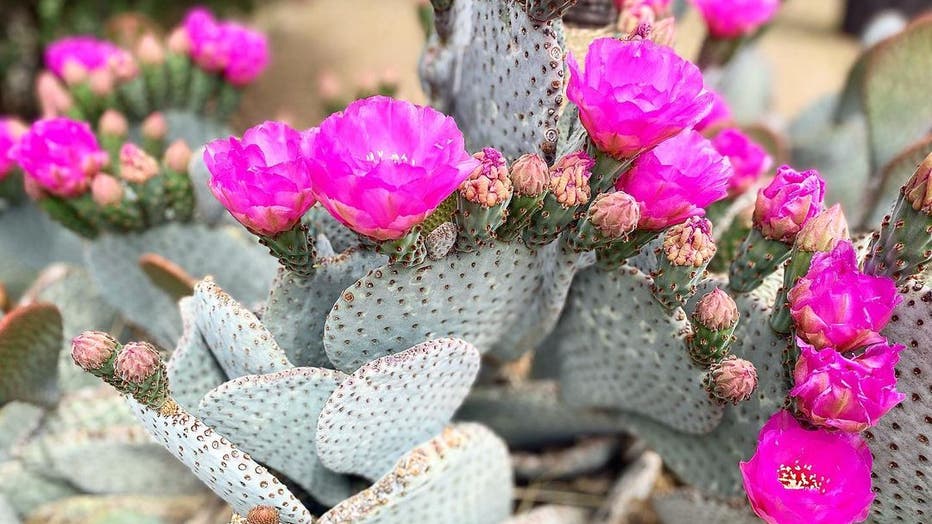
(359, 40)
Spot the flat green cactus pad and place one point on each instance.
(893, 176)
(22, 256)
(91, 409)
(227, 471)
(192, 369)
(237, 339)
(499, 299)
(297, 307)
(393, 403)
(274, 418)
(685, 506)
(7, 513)
(17, 421)
(25, 489)
(551, 515)
(208, 209)
(902, 477)
(30, 340)
(620, 350)
(461, 476)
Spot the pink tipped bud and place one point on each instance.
(488, 184)
(918, 190)
(689, 243)
(732, 380)
(106, 190)
(569, 179)
(262, 515)
(136, 165)
(15, 128)
(823, 231)
(615, 215)
(150, 51)
(530, 175)
(716, 310)
(123, 66)
(367, 82)
(33, 189)
(178, 156)
(113, 123)
(178, 41)
(101, 82)
(53, 98)
(137, 362)
(328, 85)
(155, 127)
(92, 349)
(74, 73)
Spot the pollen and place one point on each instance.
(800, 476)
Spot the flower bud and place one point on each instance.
(488, 185)
(262, 515)
(135, 165)
(53, 98)
(530, 175)
(101, 82)
(106, 190)
(137, 362)
(150, 51)
(74, 73)
(123, 66)
(689, 243)
(731, 380)
(615, 214)
(113, 123)
(155, 127)
(569, 179)
(717, 310)
(328, 85)
(178, 156)
(918, 190)
(92, 349)
(178, 41)
(824, 231)
(713, 324)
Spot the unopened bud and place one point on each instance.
(15, 128)
(177, 156)
(150, 51)
(530, 175)
(53, 98)
(689, 243)
(262, 515)
(328, 85)
(101, 82)
(73, 73)
(488, 185)
(123, 66)
(823, 231)
(113, 123)
(106, 190)
(569, 179)
(179, 42)
(918, 190)
(731, 380)
(717, 310)
(137, 362)
(92, 349)
(135, 165)
(155, 127)
(615, 214)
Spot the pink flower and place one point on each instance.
(208, 47)
(791, 199)
(719, 115)
(382, 165)
(676, 180)
(250, 54)
(749, 159)
(817, 477)
(88, 52)
(735, 18)
(850, 394)
(10, 132)
(635, 94)
(60, 155)
(835, 305)
(261, 179)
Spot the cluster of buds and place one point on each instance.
(483, 198)
(568, 192)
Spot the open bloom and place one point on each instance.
(676, 180)
(748, 158)
(207, 44)
(635, 94)
(719, 114)
(249, 56)
(382, 165)
(735, 18)
(261, 179)
(60, 155)
(87, 52)
(797, 475)
(835, 305)
(10, 132)
(850, 394)
(791, 199)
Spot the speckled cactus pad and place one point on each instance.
(461, 476)
(620, 350)
(393, 403)
(685, 506)
(192, 368)
(274, 418)
(26, 489)
(30, 340)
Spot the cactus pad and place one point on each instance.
(30, 340)
(17, 421)
(461, 476)
(274, 418)
(685, 506)
(192, 369)
(227, 471)
(26, 490)
(392, 404)
(613, 357)
(92, 409)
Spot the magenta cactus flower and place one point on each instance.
(60, 155)
(10, 132)
(633, 95)
(382, 165)
(88, 52)
(261, 178)
(784, 206)
(249, 56)
(720, 114)
(206, 43)
(835, 305)
(736, 18)
(748, 158)
(676, 180)
(798, 475)
(850, 394)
